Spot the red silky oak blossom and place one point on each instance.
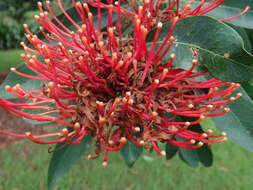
(113, 87)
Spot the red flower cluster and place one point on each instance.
(100, 82)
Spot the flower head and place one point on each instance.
(116, 87)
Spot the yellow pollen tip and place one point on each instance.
(65, 130)
(160, 25)
(124, 100)
(50, 85)
(129, 54)
(89, 157)
(137, 129)
(77, 125)
(192, 141)
(163, 153)
(156, 81)
(111, 142)
(7, 87)
(227, 109)
(232, 98)
(190, 106)
(202, 117)
(154, 114)
(172, 38)
(165, 71)
(123, 140)
(224, 134)
(102, 121)
(209, 131)
(130, 101)
(12, 69)
(187, 123)
(128, 93)
(104, 164)
(142, 142)
(194, 61)
(28, 134)
(172, 56)
(101, 44)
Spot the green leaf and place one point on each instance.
(243, 33)
(63, 158)
(205, 155)
(193, 156)
(238, 122)
(231, 8)
(213, 39)
(12, 79)
(190, 157)
(131, 153)
(170, 151)
(248, 87)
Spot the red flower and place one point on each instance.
(113, 86)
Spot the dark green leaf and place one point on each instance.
(131, 153)
(238, 122)
(213, 39)
(243, 33)
(170, 151)
(63, 158)
(205, 155)
(12, 79)
(248, 87)
(189, 156)
(193, 156)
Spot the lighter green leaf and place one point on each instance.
(238, 122)
(131, 153)
(63, 158)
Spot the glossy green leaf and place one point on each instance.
(171, 151)
(131, 153)
(205, 155)
(213, 39)
(248, 87)
(192, 157)
(63, 158)
(238, 122)
(12, 79)
(231, 8)
(245, 37)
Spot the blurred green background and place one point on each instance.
(23, 165)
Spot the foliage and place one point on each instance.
(17, 8)
(11, 34)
